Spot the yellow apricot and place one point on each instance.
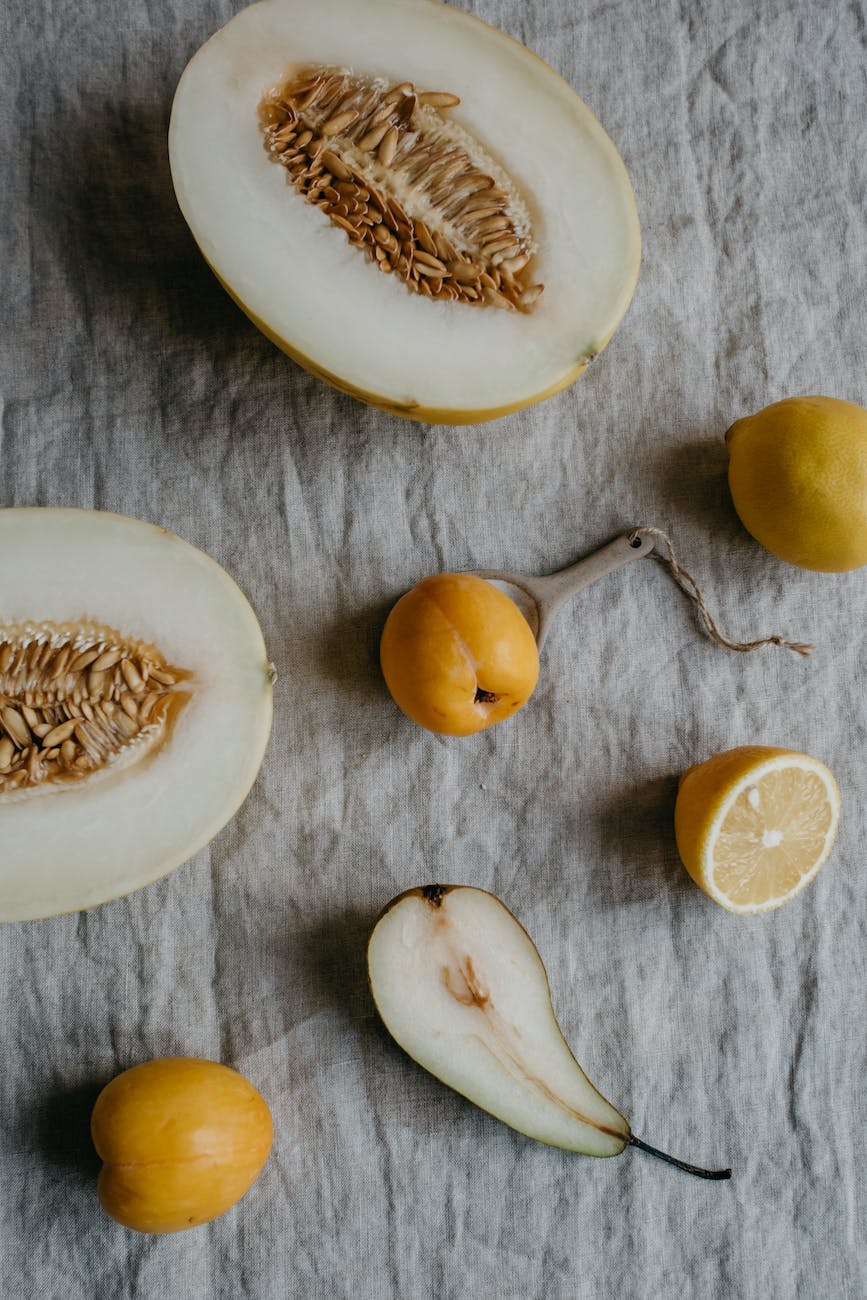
(181, 1141)
(458, 655)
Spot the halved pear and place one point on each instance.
(461, 987)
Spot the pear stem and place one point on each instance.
(679, 1164)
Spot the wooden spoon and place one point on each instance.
(539, 599)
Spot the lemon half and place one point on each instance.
(754, 825)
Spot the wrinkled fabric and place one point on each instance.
(130, 382)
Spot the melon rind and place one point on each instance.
(67, 848)
(320, 300)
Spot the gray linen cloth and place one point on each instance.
(130, 382)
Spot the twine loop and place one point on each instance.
(690, 587)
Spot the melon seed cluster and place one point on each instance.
(415, 191)
(73, 699)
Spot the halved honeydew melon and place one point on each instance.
(135, 706)
(564, 191)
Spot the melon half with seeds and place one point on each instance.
(135, 706)
(407, 201)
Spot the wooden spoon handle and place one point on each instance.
(554, 590)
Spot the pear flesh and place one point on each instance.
(462, 989)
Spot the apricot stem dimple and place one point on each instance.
(485, 697)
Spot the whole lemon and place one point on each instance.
(798, 479)
(181, 1140)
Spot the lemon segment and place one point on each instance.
(754, 825)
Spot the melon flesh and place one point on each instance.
(317, 297)
(70, 846)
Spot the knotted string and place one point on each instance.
(688, 584)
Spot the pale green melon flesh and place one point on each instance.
(295, 273)
(69, 846)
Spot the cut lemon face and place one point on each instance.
(755, 824)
